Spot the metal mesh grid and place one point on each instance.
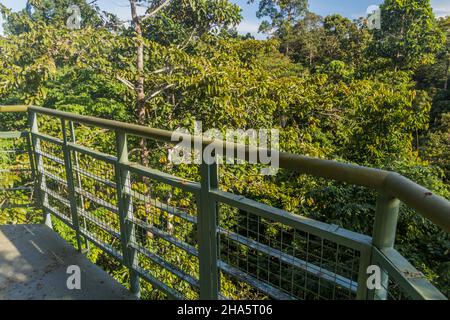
(52, 160)
(96, 198)
(95, 193)
(159, 158)
(15, 170)
(390, 289)
(49, 125)
(57, 198)
(54, 186)
(165, 234)
(282, 262)
(94, 180)
(259, 258)
(94, 138)
(16, 180)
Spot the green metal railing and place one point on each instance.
(220, 245)
(17, 176)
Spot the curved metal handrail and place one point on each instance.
(425, 202)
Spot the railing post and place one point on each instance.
(364, 262)
(31, 157)
(127, 232)
(384, 231)
(71, 185)
(41, 181)
(207, 232)
(78, 177)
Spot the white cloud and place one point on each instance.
(119, 8)
(441, 8)
(246, 26)
(442, 12)
(250, 27)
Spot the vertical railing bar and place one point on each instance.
(384, 231)
(71, 185)
(125, 205)
(214, 184)
(31, 157)
(207, 232)
(76, 166)
(364, 262)
(41, 180)
(30, 149)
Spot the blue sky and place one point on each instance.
(348, 8)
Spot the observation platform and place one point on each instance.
(33, 266)
(185, 243)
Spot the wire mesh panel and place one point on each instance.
(282, 262)
(390, 290)
(48, 125)
(73, 182)
(96, 198)
(188, 237)
(399, 280)
(16, 178)
(15, 170)
(54, 183)
(57, 199)
(165, 234)
(258, 257)
(91, 137)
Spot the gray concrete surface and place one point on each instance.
(33, 266)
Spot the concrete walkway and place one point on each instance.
(33, 266)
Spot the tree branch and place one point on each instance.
(155, 11)
(126, 82)
(183, 46)
(162, 70)
(158, 91)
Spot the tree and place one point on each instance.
(409, 35)
(437, 75)
(52, 12)
(314, 40)
(283, 15)
(437, 148)
(195, 16)
(344, 40)
(444, 56)
(305, 39)
(183, 22)
(178, 62)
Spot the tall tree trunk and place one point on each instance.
(140, 108)
(447, 67)
(141, 114)
(140, 82)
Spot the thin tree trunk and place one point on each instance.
(446, 74)
(140, 107)
(141, 114)
(140, 82)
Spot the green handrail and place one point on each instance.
(392, 189)
(18, 108)
(428, 204)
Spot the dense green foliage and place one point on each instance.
(333, 88)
